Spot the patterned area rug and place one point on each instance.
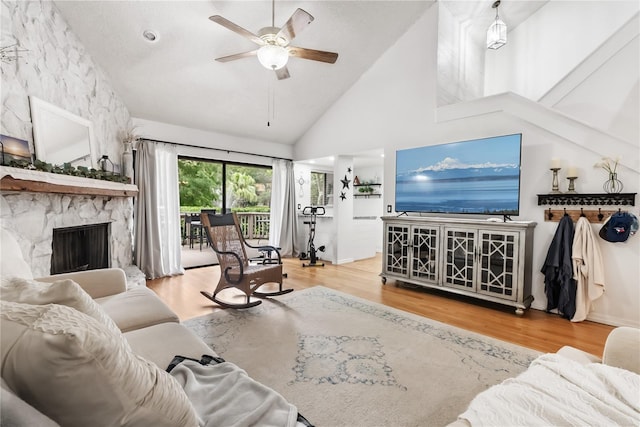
(344, 361)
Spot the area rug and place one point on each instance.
(345, 361)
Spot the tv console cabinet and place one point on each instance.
(473, 257)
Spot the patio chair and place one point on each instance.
(227, 241)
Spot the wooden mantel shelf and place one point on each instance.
(16, 179)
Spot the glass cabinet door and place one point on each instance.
(459, 248)
(396, 259)
(424, 253)
(498, 264)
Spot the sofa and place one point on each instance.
(81, 349)
(570, 387)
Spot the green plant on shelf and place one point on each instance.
(366, 189)
(67, 169)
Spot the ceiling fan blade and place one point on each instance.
(237, 56)
(298, 22)
(283, 73)
(315, 55)
(236, 29)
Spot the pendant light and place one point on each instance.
(497, 33)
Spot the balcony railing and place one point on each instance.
(254, 225)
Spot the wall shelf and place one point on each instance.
(595, 199)
(366, 196)
(365, 185)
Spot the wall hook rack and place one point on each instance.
(593, 215)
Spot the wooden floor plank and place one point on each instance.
(535, 329)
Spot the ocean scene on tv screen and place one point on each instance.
(480, 176)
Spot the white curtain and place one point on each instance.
(158, 240)
(283, 223)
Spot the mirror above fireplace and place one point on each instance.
(60, 136)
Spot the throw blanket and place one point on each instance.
(224, 395)
(556, 391)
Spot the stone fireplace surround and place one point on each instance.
(32, 216)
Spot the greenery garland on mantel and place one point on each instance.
(67, 169)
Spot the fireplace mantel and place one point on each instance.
(24, 180)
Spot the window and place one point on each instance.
(321, 189)
(223, 186)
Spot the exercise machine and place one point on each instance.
(312, 212)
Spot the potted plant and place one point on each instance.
(366, 189)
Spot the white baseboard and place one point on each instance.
(605, 319)
(344, 261)
(612, 320)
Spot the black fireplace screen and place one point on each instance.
(80, 248)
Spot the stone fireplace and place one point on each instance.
(33, 214)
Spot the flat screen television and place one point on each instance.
(480, 176)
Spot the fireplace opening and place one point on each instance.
(84, 247)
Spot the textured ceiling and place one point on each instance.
(176, 80)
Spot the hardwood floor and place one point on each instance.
(535, 329)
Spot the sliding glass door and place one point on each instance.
(222, 187)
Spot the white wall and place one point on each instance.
(393, 106)
(201, 142)
(548, 45)
(617, 107)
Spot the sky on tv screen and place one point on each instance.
(478, 176)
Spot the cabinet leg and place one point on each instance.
(519, 311)
(384, 280)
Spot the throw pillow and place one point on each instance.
(64, 292)
(77, 372)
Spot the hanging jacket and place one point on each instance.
(559, 285)
(588, 268)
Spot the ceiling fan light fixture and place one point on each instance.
(272, 56)
(497, 33)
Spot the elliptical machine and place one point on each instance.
(312, 212)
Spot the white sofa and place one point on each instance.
(570, 387)
(151, 330)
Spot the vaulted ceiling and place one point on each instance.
(176, 79)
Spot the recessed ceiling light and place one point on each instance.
(150, 36)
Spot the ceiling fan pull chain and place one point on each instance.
(269, 96)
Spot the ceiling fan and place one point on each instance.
(274, 42)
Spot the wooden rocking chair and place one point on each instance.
(227, 241)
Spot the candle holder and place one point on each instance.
(554, 183)
(106, 165)
(572, 187)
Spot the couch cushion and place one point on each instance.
(64, 292)
(159, 343)
(137, 308)
(15, 412)
(622, 349)
(77, 372)
(12, 262)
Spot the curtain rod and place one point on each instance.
(217, 149)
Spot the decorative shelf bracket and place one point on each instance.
(604, 199)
